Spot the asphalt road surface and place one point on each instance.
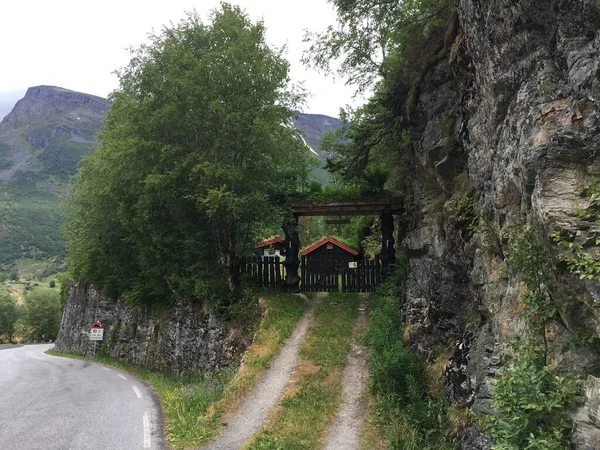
(52, 403)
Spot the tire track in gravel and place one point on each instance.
(347, 424)
(266, 394)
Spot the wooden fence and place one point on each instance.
(315, 276)
(264, 270)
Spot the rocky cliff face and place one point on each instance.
(182, 339)
(510, 120)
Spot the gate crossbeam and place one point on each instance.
(346, 207)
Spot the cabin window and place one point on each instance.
(329, 246)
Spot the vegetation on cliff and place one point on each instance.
(196, 162)
(385, 48)
(390, 47)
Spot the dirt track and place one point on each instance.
(253, 412)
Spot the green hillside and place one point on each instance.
(41, 143)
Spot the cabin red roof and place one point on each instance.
(328, 240)
(270, 241)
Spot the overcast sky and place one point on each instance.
(78, 44)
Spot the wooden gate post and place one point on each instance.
(292, 261)
(388, 253)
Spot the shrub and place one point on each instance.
(529, 401)
(41, 314)
(9, 313)
(397, 377)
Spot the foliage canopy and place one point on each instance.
(196, 157)
(384, 48)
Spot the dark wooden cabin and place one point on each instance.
(329, 249)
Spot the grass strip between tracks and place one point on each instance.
(194, 404)
(314, 392)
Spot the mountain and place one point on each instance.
(314, 127)
(48, 131)
(41, 142)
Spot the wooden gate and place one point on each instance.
(336, 276)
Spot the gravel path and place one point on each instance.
(255, 409)
(347, 423)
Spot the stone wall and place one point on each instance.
(181, 339)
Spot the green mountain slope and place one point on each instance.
(41, 142)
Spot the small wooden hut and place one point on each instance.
(330, 249)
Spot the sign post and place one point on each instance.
(96, 333)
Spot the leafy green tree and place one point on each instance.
(373, 37)
(9, 313)
(386, 48)
(197, 160)
(41, 314)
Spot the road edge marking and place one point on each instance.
(137, 391)
(122, 376)
(147, 440)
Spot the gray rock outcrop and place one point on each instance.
(511, 121)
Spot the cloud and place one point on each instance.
(78, 45)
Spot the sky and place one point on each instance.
(78, 45)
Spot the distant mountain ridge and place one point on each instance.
(48, 131)
(41, 143)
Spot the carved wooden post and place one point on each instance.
(292, 261)
(388, 253)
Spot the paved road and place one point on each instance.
(51, 403)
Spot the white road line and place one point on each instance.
(106, 368)
(147, 441)
(122, 376)
(137, 391)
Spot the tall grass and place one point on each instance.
(405, 415)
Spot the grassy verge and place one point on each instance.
(402, 413)
(311, 398)
(193, 405)
(183, 399)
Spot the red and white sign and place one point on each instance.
(97, 331)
